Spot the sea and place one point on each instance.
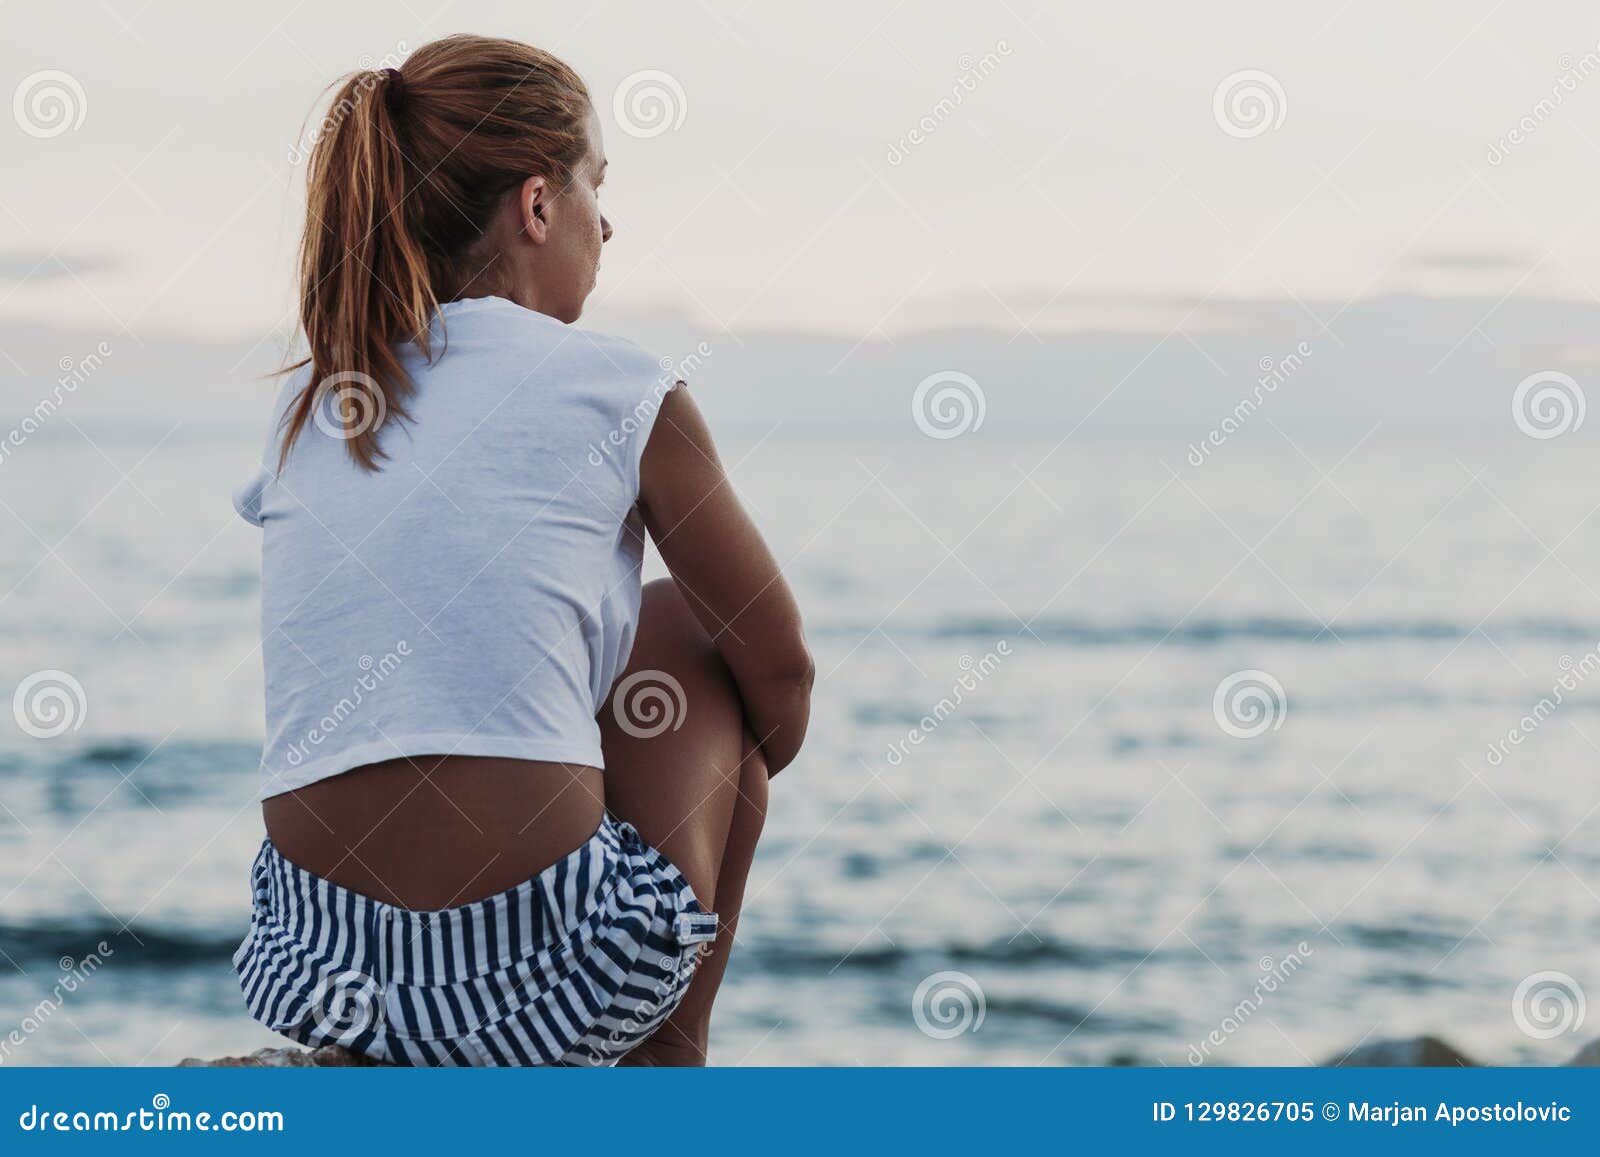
(1122, 752)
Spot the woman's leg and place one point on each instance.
(681, 767)
(682, 1039)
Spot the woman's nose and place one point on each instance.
(605, 229)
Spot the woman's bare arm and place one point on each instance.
(719, 560)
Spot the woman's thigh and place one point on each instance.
(672, 733)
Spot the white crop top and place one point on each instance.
(478, 595)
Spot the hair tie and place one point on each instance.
(396, 91)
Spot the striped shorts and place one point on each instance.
(574, 967)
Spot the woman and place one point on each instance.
(511, 799)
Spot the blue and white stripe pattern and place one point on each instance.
(575, 966)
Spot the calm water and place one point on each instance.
(1078, 838)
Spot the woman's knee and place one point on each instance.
(667, 619)
(750, 812)
(672, 735)
(670, 639)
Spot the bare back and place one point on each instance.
(430, 832)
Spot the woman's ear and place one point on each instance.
(533, 200)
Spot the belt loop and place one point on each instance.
(383, 932)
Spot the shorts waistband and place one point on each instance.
(443, 945)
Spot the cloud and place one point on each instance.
(38, 265)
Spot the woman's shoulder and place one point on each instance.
(556, 341)
(630, 359)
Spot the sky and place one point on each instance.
(818, 173)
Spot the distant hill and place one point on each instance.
(1444, 365)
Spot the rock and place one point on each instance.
(326, 1057)
(1405, 1052)
(1588, 1055)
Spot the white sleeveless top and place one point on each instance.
(478, 595)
